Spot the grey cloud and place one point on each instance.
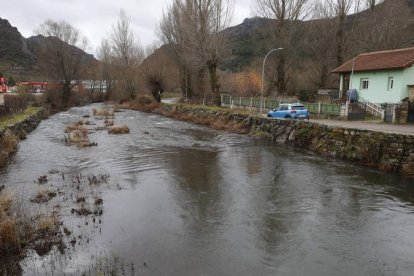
(95, 17)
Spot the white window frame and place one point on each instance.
(362, 82)
(390, 84)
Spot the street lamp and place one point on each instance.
(263, 71)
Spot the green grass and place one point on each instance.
(11, 120)
(169, 95)
(216, 108)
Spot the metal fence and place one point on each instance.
(269, 103)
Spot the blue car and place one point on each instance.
(293, 111)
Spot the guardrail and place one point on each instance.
(372, 108)
(269, 103)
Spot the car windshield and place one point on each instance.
(298, 107)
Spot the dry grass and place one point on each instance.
(9, 141)
(43, 195)
(46, 234)
(20, 230)
(109, 122)
(143, 104)
(78, 135)
(124, 129)
(9, 240)
(6, 200)
(8, 146)
(102, 112)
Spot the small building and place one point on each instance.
(380, 77)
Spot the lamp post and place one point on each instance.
(263, 71)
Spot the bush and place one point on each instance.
(15, 103)
(119, 130)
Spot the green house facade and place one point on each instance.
(380, 77)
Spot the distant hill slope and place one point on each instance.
(246, 41)
(18, 54)
(13, 45)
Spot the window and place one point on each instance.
(390, 83)
(364, 84)
(298, 107)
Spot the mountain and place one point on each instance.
(13, 48)
(247, 44)
(18, 54)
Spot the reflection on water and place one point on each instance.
(187, 200)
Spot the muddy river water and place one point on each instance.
(182, 199)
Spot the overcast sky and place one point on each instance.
(94, 18)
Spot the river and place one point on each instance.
(183, 199)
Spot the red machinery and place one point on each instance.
(3, 84)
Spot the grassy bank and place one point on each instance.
(9, 138)
(14, 119)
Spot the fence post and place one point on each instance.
(251, 104)
(319, 109)
(221, 99)
(347, 109)
(394, 114)
(231, 104)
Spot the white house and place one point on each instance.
(380, 77)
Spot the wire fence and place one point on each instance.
(319, 108)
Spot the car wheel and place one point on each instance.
(287, 117)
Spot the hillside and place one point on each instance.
(246, 42)
(13, 45)
(18, 54)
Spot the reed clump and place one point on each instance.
(8, 146)
(78, 134)
(102, 112)
(124, 129)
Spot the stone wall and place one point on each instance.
(388, 152)
(20, 131)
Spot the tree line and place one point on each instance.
(316, 36)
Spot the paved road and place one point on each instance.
(374, 125)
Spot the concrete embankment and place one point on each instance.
(386, 151)
(17, 129)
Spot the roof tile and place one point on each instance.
(382, 60)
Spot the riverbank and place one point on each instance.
(15, 128)
(389, 152)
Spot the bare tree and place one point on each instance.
(128, 54)
(105, 55)
(154, 71)
(62, 55)
(339, 10)
(286, 13)
(199, 28)
(386, 27)
(321, 51)
(171, 33)
(371, 4)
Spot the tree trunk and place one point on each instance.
(214, 82)
(340, 41)
(185, 82)
(324, 76)
(281, 75)
(66, 93)
(200, 93)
